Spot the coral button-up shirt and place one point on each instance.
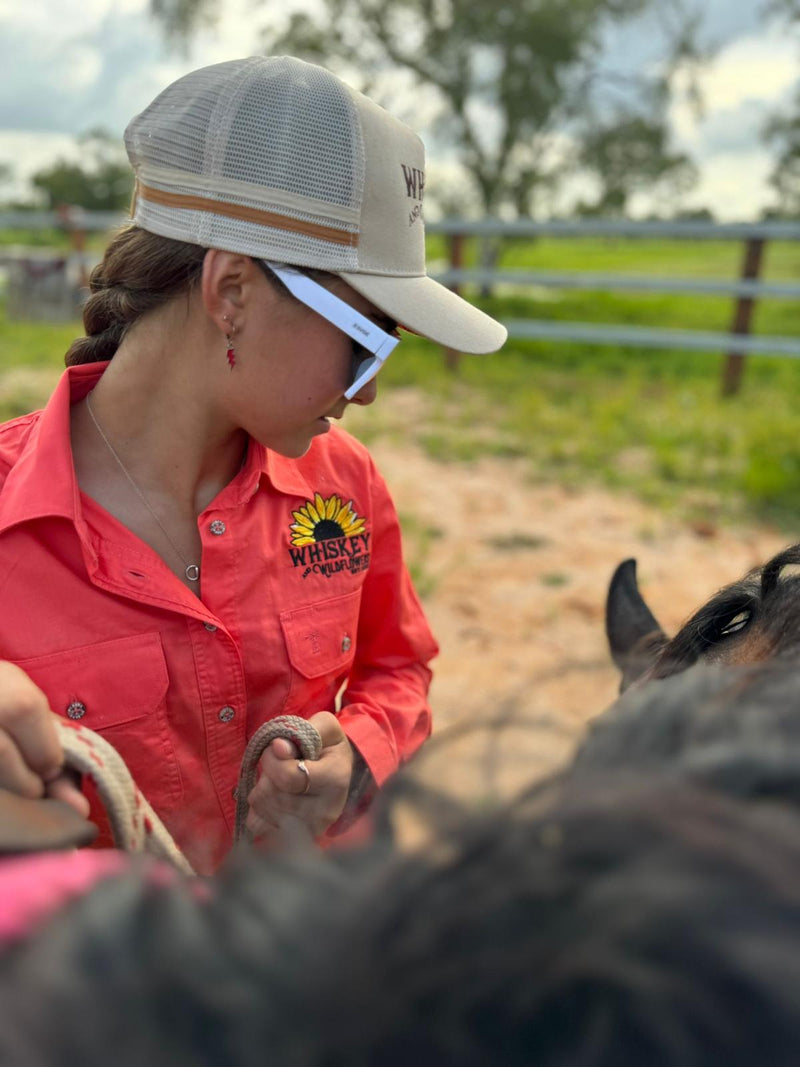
(306, 606)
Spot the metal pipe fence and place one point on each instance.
(745, 291)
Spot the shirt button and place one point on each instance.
(76, 710)
(217, 527)
(210, 627)
(346, 643)
(226, 714)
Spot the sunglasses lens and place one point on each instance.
(361, 363)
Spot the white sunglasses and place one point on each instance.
(372, 346)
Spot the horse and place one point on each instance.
(631, 920)
(754, 619)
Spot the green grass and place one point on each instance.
(648, 422)
(49, 238)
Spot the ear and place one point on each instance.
(227, 276)
(40, 825)
(634, 636)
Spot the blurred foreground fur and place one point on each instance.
(617, 915)
(735, 729)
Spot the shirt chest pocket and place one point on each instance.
(118, 688)
(320, 643)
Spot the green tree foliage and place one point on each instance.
(630, 155)
(782, 131)
(181, 18)
(505, 82)
(788, 8)
(101, 181)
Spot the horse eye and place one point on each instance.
(737, 623)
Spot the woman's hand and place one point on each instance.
(31, 758)
(281, 789)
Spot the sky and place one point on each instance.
(69, 65)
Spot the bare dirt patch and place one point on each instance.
(516, 577)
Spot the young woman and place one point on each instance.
(188, 545)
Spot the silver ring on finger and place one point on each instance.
(301, 766)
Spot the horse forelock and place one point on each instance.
(769, 603)
(771, 572)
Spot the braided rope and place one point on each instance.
(135, 827)
(291, 727)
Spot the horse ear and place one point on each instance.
(634, 635)
(40, 825)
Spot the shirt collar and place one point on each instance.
(42, 481)
(285, 474)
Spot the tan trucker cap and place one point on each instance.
(279, 159)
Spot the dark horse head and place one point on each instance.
(756, 618)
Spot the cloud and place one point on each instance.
(69, 65)
(56, 69)
(763, 67)
(735, 190)
(749, 79)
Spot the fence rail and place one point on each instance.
(717, 231)
(648, 283)
(746, 290)
(647, 337)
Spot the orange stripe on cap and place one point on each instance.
(190, 202)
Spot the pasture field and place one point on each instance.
(650, 423)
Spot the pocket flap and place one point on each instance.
(104, 684)
(321, 638)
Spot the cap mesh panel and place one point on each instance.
(278, 124)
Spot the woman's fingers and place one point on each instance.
(64, 788)
(31, 757)
(283, 774)
(30, 752)
(328, 727)
(316, 796)
(15, 774)
(283, 749)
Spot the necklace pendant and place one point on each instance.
(192, 573)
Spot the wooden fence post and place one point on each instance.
(751, 270)
(452, 358)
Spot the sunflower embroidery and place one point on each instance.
(323, 520)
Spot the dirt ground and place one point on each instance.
(517, 577)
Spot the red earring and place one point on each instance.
(231, 354)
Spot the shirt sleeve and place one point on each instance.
(385, 711)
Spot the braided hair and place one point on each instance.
(140, 271)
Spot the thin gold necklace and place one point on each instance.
(192, 570)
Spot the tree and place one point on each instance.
(630, 155)
(102, 181)
(783, 131)
(789, 8)
(6, 174)
(504, 82)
